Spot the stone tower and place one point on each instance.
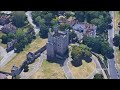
(57, 45)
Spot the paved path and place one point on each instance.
(30, 20)
(7, 58)
(66, 69)
(98, 69)
(37, 66)
(111, 62)
(2, 52)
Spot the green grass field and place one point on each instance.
(117, 19)
(83, 71)
(118, 57)
(49, 71)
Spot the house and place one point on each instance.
(84, 29)
(4, 19)
(8, 28)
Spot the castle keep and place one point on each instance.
(57, 45)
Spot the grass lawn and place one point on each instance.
(49, 71)
(1, 58)
(118, 57)
(83, 71)
(117, 19)
(20, 57)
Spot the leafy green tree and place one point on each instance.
(80, 16)
(4, 39)
(106, 50)
(19, 18)
(80, 52)
(40, 21)
(64, 27)
(44, 31)
(98, 76)
(73, 37)
(99, 45)
(54, 21)
(69, 14)
(116, 41)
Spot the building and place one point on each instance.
(4, 19)
(7, 28)
(84, 29)
(3, 76)
(57, 45)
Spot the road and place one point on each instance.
(111, 62)
(97, 70)
(30, 20)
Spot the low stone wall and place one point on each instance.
(27, 62)
(102, 65)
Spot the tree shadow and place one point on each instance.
(77, 63)
(57, 61)
(88, 59)
(110, 56)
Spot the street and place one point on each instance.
(111, 62)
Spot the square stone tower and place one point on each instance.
(57, 46)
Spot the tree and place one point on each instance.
(44, 31)
(93, 43)
(19, 33)
(69, 14)
(80, 52)
(48, 17)
(64, 27)
(17, 48)
(73, 37)
(116, 41)
(54, 21)
(80, 16)
(19, 18)
(99, 45)
(4, 39)
(106, 50)
(40, 21)
(26, 68)
(98, 76)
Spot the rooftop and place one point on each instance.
(3, 76)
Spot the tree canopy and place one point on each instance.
(19, 18)
(99, 45)
(80, 52)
